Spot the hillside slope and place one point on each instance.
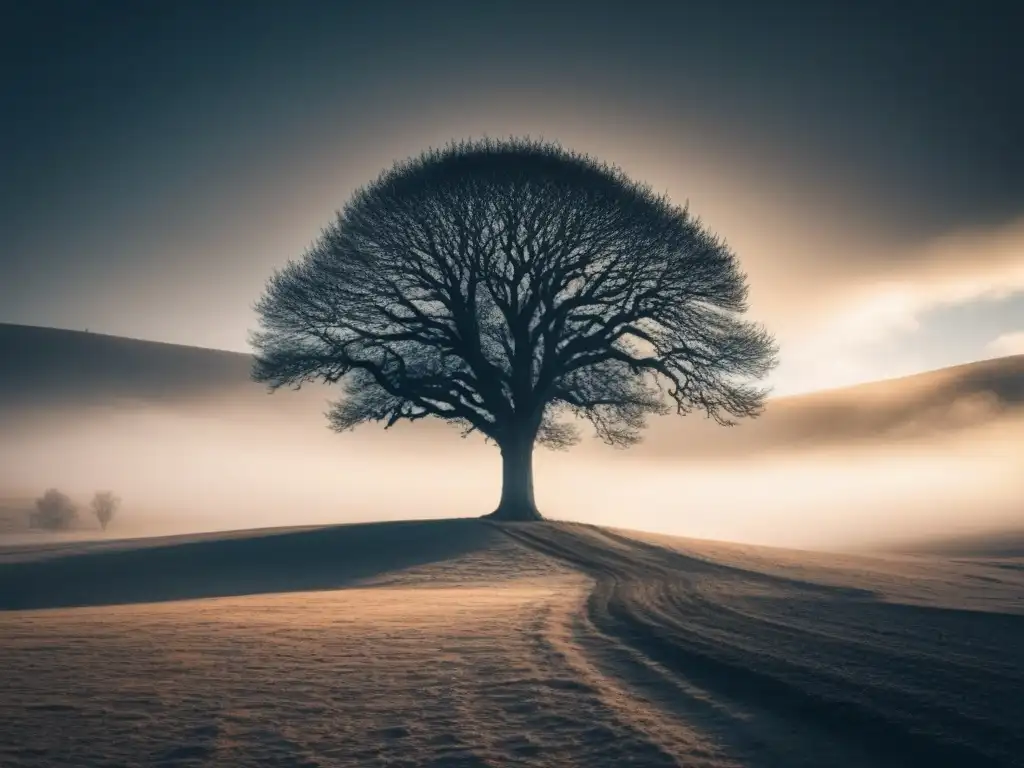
(53, 368)
(47, 370)
(468, 643)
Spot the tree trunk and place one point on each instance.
(517, 501)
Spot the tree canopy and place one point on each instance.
(505, 285)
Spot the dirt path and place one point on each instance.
(783, 672)
(467, 643)
(454, 661)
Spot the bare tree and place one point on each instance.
(503, 285)
(54, 511)
(104, 506)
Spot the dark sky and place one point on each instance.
(160, 158)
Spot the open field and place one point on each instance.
(464, 643)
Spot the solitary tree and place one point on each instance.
(104, 506)
(54, 511)
(505, 285)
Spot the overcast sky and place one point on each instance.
(865, 160)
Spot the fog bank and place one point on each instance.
(201, 448)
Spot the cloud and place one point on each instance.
(964, 267)
(1007, 344)
(859, 300)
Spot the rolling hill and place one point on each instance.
(49, 370)
(468, 643)
(196, 445)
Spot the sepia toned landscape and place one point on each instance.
(477, 385)
(464, 642)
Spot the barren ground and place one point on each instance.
(463, 643)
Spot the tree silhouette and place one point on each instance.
(503, 285)
(54, 511)
(104, 505)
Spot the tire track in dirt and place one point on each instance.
(773, 691)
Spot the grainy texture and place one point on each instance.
(535, 644)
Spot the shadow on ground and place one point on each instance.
(295, 561)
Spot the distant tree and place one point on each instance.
(104, 506)
(501, 285)
(54, 511)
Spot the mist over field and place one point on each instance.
(192, 445)
(499, 214)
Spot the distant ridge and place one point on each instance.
(48, 367)
(51, 369)
(998, 544)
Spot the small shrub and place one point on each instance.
(104, 506)
(54, 511)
